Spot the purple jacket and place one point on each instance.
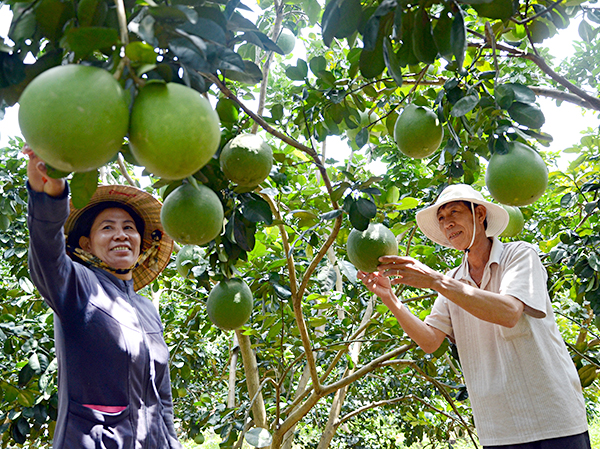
(109, 345)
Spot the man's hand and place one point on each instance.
(409, 271)
(38, 175)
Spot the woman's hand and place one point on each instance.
(38, 175)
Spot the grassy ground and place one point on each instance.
(212, 441)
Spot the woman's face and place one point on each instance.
(114, 239)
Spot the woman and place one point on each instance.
(113, 376)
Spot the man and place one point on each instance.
(524, 388)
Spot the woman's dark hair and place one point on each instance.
(83, 227)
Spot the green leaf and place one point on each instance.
(424, 46)
(586, 32)
(299, 72)
(317, 64)
(257, 210)
(83, 186)
(442, 34)
(84, 41)
(529, 115)
(366, 207)
(458, 38)
(251, 75)
(391, 61)
(465, 105)
(371, 30)
(140, 52)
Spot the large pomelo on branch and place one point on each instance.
(418, 131)
(518, 177)
(364, 248)
(174, 131)
(286, 41)
(229, 304)
(246, 160)
(74, 117)
(192, 214)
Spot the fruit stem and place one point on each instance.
(193, 182)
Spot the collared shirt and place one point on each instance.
(522, 384)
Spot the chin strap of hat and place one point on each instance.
(150, 255)
(474, 223)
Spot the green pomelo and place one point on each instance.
(229, 304)
(365, 120)
(418, 132)
(187, 258)
(286, 41)
(174, 131)
(516, 222)
(74, 117)
(518, 177)
(192, 216)
(364, 248)
(228, 110)
(496, 9)
(246, 160)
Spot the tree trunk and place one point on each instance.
(252, 380)
(340, 395)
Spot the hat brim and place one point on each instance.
(148, 208)
(497, 220)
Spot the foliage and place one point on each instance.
(322, 362)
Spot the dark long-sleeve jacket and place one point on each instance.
(109, 345)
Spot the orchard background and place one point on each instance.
(321, 362)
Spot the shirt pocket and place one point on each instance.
(521, 330)
(88, 428)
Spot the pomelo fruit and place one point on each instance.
(518, 177)
(187, 258)
(516, 222)
(286, 41)
(496, 9)
(74, 117)
(229, 304)
(174, 131)
(365, 120)
(418, 131)
(364, 248)
(228, 110)
(192, 215)
(246, 160)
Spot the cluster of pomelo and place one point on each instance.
(515, 177)
(77, 117)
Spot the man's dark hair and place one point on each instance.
(83, 227)
(469, 205)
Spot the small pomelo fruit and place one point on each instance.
(229, 304)
(187, 258)
(174, 131)
(192, 215)
(418, 131)
(364, 248)
(518, 177)
(246, 160)
(286, 41)
(228, 110)
(516, 222)
(74, 117)
(365, 120)
(496, 9)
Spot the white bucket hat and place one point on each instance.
(497, 217)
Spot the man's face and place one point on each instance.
(114, 239)
(456, 222)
